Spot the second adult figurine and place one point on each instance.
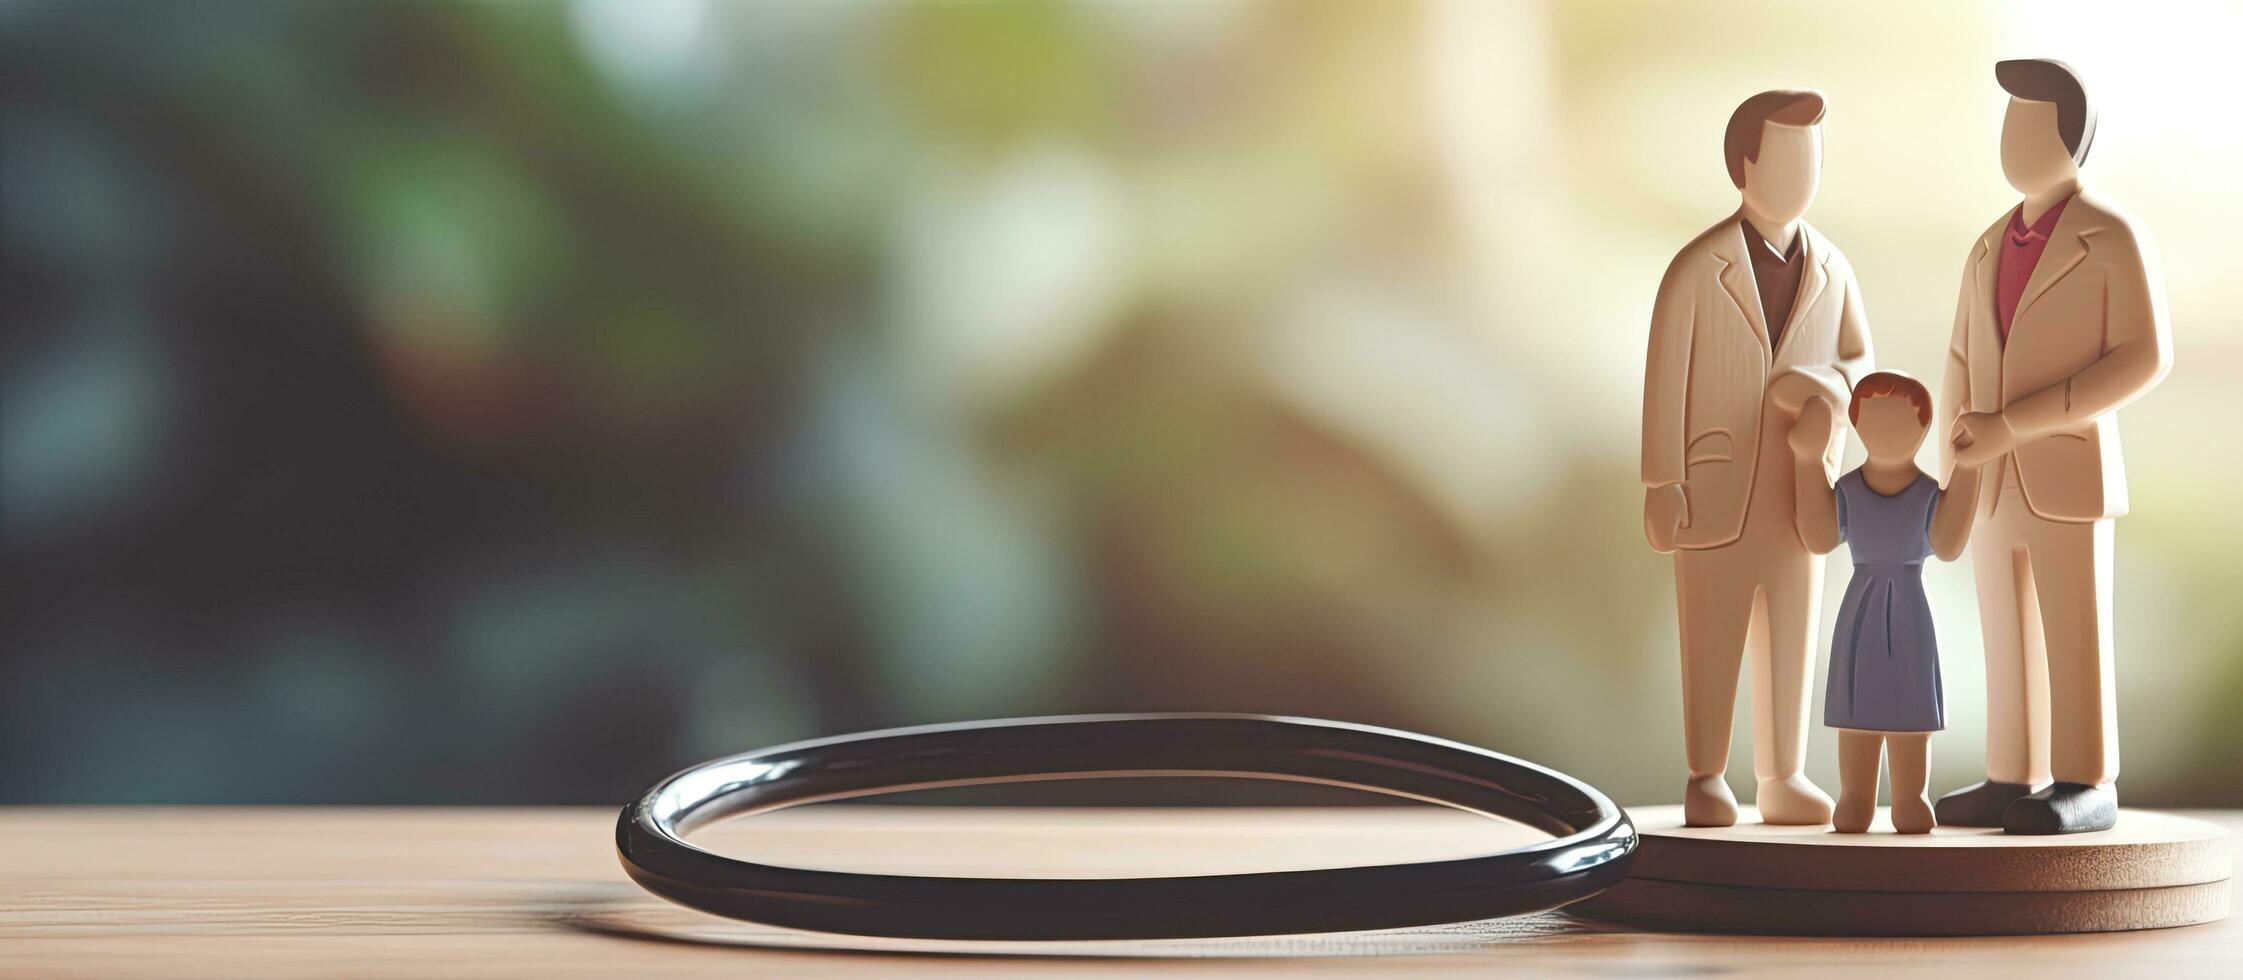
(1755, 316)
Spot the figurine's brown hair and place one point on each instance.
(2047, 80)
(1786, 107)
(1885, 384)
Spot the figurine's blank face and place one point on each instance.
(2033, 154)
(1781, 183)
(1890, 428)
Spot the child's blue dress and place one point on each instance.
(1884, 660)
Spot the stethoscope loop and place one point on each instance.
(1592, 843)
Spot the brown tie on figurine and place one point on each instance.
(2061, 322)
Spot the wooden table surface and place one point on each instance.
(245, 892)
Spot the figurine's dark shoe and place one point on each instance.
(2063, 808)
(1980, 805)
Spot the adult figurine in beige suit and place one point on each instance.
(2061, 322)
(1755, 316)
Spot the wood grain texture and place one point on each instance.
(199, 892)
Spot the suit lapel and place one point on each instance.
(1736, 278)
(1989, 274)
(1811, 284)
(1987, 324)
(2066, 250)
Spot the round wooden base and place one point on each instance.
(2153, 870)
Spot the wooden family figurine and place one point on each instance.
(1757, 335)
(1757, 317)
(2061, 322)
(1884, 695)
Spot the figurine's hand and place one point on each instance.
(1979, 437)
(1666, 511)
(1793, 389)
(1811, 432)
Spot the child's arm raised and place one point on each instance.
(1958, 505)
(1817, 517)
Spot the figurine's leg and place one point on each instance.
(2016, 670)
(2072, 569)
(1781, 645)
(1715, 602)
(2072, 566)
(1909, 755)
(1857, 780)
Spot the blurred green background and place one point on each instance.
(516, 402)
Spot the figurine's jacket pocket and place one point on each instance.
(1710, 446)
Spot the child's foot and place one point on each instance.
(1792, 800)
(1707, 802)
(1854, 813)
(1912, 815)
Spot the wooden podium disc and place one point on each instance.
(2153, 870)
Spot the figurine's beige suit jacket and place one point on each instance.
(2089, 336)
(1710, 364)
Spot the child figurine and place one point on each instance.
(1884, 694)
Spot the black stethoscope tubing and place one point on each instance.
(1592, 846)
